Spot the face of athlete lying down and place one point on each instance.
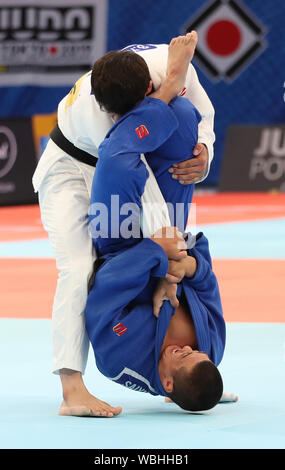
(173, 358)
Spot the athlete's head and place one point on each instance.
(120, 80)
(190, 378)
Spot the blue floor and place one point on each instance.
(257, 239)
(253, 367)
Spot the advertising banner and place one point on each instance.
(46, 46)
(50, 43)
(42, 125)
(254, 159)
(17, 162)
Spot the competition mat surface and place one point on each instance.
(247, 241)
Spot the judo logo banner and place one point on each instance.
(50, 43)
(230, 38)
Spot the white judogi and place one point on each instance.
(64, 187)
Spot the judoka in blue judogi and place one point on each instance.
(129, 342)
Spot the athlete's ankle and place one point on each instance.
(72, 382)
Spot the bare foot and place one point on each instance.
(180, 54)
(77, 401)
(85, 404)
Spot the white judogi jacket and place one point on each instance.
(85, 125)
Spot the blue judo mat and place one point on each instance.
(253, 367)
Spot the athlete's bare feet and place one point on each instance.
(90, 406)
(180, 54)
(77, 401)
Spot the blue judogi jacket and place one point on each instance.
(125, 335)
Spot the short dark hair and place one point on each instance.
(198, 390)
(119, 81)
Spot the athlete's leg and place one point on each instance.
(64, 203)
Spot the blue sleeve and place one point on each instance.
(121, 175)
(126, 275)
(119, 281)
(144, 128)
(115, 210)
(205, 303)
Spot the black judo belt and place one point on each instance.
(63, 143)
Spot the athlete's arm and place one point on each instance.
(197, 169)
(198, 96)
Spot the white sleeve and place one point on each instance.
(197, 95)
(154, 214)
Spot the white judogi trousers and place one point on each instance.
(64, 198)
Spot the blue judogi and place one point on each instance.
(171, 133)
(125, 335)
